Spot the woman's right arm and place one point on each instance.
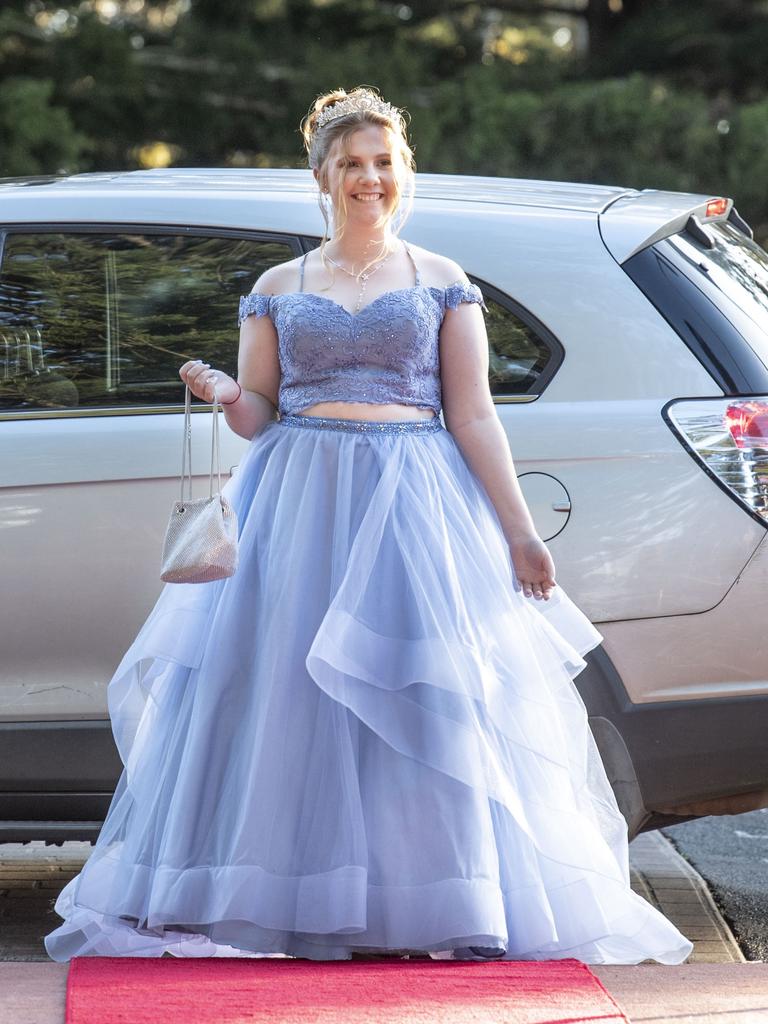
(258, 368)
(258, 373)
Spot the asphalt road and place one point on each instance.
(731, 852)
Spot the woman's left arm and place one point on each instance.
(471, 418)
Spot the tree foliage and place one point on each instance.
(36, 136)
(644, 93)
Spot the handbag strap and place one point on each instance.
(186, 450)
(215, 452)
(186, 444)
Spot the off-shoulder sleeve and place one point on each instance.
(253, 304)
(463, 292)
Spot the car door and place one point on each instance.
(94, 324)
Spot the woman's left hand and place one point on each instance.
(534, 566)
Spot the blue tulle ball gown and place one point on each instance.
(367, 739)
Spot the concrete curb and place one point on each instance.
(671, 884)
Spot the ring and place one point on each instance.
(211, 379)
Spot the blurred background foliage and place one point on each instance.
(641, 93)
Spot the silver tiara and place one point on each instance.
(353, 104)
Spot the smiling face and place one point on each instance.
(363, 175)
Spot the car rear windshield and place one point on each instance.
(715, 297)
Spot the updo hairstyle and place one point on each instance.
(320, 141)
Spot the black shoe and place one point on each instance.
(479, 952)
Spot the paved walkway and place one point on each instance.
(715, 986)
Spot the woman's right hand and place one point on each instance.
(202, 381)
(534, 567)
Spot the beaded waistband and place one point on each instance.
(363, 426)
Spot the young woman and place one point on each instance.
(367, 740)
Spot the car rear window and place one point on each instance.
(715, 297)
(520, 360)
(735, 273)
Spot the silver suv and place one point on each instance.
(628, 337)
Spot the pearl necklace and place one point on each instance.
(362, 277)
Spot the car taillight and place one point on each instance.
(729, 436)
(748, 423)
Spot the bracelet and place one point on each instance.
(234, 399)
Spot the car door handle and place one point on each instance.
(561, 506)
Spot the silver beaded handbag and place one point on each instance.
(202, 537)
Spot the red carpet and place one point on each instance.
(142, 990)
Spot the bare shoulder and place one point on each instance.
(436, 269)
(283, 277)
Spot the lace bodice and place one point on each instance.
(386, 352)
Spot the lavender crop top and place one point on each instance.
(386, 352)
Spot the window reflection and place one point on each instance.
(517, 356)
(101, 320)
(738, 268)
(740, 265)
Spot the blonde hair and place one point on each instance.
(320, 141)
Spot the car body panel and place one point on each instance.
(662, 559)
(720, 652)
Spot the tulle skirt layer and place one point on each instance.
(367, 739)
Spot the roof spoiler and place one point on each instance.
(633, 222)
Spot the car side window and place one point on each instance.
(519, 357)
(104, 320)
